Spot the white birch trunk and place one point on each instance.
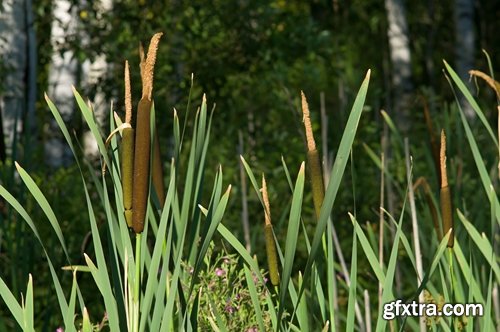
(13, 46)
(399, 48)
(464, 47)
(92, 72)
(62, 76)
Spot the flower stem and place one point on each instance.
(137, 281)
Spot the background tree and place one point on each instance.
(400, 55)
(465, 45)
(18, 69)
(62, 76)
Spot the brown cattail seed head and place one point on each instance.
(445, 196)
(128, 95)
(147, 78)
(313, 160)
(265, 198)
(272, 257)
(311, 144)
(127, 160)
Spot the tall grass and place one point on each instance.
(172, 277)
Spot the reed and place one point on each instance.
(313, 160)
(488, 79)
(272, 257)
(422, 182)
(433, 140)
(445, 196)
(143, 138)
(127, 152)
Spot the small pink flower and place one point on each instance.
(59, 329)
(220, 272)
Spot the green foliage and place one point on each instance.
(223, 290)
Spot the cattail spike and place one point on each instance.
(311, 144)
(442, 160)
(272, 257)
(128, 95)
(147, 83)
(265, 198)
(313, 160)
(445, 195)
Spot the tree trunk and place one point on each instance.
(62, 76)
(464, 47)
(13, 46)
(399, 48)
(92, 74)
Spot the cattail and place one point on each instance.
(313, 160)
(490, 81)
(434, 214)
(127, 153)
(434, 144)
(143, 139)
(272, 257)
(446, 210)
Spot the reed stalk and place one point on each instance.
(313, 160)
(433, 140)
(445, 196)
(489, 80)
(272, 257)
(428, 198)
(143, 139)
(127, 152)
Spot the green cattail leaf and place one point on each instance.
(482, 243)
(28, 311)
(86, 325)
(291, 239)
(272, 258)
(157, 170)
(11, 302)
(44, 204)
(141, 165)
(127, 160)
(473, 103)
(336, 175)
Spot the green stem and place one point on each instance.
(137, 281)
(452, 293)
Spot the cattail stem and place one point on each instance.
(127, 159)
(432, 136)
(141, 165)
(428, 198)
(137, 282)
(127, 152)
(143, 138)
(313, 160)
(446, 209)
(272, 257)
